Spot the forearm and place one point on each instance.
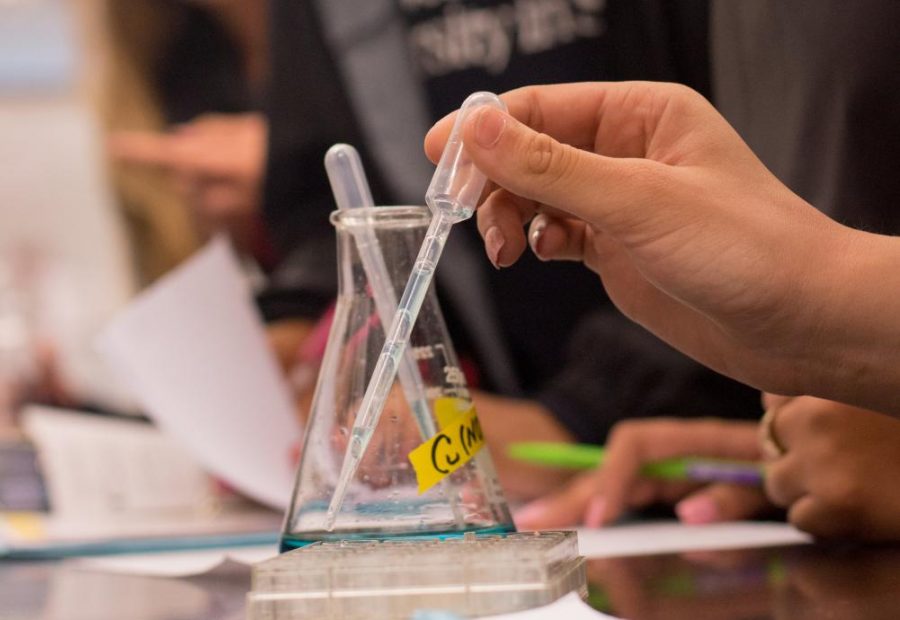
(854, 348)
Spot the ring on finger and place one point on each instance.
(768, 442)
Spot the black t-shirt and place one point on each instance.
(460, 47)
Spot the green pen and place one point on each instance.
(584, 456)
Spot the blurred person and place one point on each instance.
(375, 75)
(184, 87)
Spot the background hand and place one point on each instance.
(216, 162)
(838, 474)
(601, 496)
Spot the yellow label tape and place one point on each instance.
(449, 450)
(448, 408)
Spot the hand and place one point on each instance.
(693, 237)
(217, 162)
(838, 474)
(601, 496)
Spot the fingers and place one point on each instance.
(500, 222)
(784, 480)
(600, 497)
(721, 502)
(789, 425)
(558, 144)
(635, 443)
(148, 148)
(802, 416)
(215, 147)
(810, 514)
(181, 152)
(616, 119)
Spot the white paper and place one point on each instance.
(194, 351)
(569, 607)
(178, 564)
(651, 538)
(96, 467)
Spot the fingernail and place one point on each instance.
(697, 510)
(493, 243)
(538, 226)
(530, 514)
(488, 126)
(593, 516)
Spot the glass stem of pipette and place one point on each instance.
(386, 306)
(351, 191)
(388, 362)
(410, 378)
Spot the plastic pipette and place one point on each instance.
(452, 197)
(351, 191)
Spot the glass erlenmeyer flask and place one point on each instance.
(425, 473)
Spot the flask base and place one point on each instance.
(289, 543)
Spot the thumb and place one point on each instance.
(721, 502)
(539, 168)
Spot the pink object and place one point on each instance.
(313, 348)
(593, 516)
(697, 510)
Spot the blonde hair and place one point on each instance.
(160, 225)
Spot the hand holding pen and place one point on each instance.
(635, 448)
